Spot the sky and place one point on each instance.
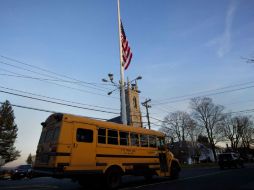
(181, 48)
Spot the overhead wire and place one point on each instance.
(51, 82)
(211, 94)
(59, 103)
(48, 71)
(38, 95)
(202, 92)
(47, 75)
(42, 110)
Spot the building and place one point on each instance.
(134, 116)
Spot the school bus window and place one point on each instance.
(102, 135)
(42, 137)
(48, 135)
(134, 139)
(160, 143)
(84, 135)
(144, 140)
(152, 141)
(124, 138)
(112, 136)
(56, 134)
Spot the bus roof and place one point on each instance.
(105, 124)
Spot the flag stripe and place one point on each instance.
(126, 50)
(128, 63)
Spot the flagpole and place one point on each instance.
(122, 87)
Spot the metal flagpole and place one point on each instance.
(122, 87)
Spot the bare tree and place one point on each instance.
(194, 131)
(178, 126)
(247, 131)
(210, 117)
(232, 129)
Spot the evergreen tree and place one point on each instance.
(8, 133)
(29, 159)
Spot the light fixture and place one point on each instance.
(110, 75)
(139, 78)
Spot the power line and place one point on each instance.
(48, 81)
(42, 110)
(241, 111)
(235, 112)
(43, 74)
(37, 78)
(63, 104)
(57, 78)
(48, 71)
(156, 119)
(194, 94)
(55, 98)
(211, 94)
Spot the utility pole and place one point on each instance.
(145, 103)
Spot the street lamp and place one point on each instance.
(122, 92)
(104, 80)
(111, 77)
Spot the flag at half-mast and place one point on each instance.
(126, 50)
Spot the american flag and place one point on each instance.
(126, 50)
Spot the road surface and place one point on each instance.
(192, 178)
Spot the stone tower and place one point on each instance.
(134, 117)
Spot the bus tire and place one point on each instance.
(86, 182)
(174, 170)
(148, 177)
(113, 178)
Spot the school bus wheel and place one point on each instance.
(174, 170)
(113, 177)
(86, 181)
(148, 177)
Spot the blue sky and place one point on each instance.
(179, 47)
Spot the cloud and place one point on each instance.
(224, 42)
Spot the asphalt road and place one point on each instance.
(194, 178)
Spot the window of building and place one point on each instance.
(152, 141)
(112, 136)
(144, 140)
(102, 135)
(84, 135)
(134, 139)
(124, 138)
(135, 102)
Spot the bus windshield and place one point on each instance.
(161, 143)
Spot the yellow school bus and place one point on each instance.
(86, 149)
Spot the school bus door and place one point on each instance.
(83, 148)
